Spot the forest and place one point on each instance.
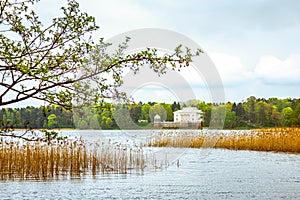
(251, 113)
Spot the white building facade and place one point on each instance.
(188, 115)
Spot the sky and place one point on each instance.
(255, 45)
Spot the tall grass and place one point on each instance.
(39, 161)
(272, 139)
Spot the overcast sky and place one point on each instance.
(254, 44)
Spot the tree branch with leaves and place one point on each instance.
(57, 63)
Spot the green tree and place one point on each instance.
(275, 116)
(230, 119)
(135, 112)
(18, 120)
(286, 115)
(82, 124)
(296, 114)
(170, 115)
(263, 113)
(249, 107)
(240, 114)
(175, 106)
(86, 118)
(94, 121)
(158, 109)
(145, 112)
(217, 114)
(123, 119)
(207, 114)
(52, 121)
(192, 102)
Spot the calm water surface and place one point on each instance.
(191, 174)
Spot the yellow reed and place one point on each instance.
(39, 161)
(269, 139)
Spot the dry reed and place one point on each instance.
(42, 161)
(269, 139)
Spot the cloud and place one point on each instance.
(230, 68)
(244, 31)
(274, 70)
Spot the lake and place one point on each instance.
(188, 174)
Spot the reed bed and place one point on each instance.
(48, 161)
(269, 139)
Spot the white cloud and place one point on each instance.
(230, 68)
(243, 31)
(274, 70)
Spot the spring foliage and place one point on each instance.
(58, 61)
(251, 113)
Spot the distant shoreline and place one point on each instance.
(153, 128)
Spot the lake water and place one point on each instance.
(191, 174)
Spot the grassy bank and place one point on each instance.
(272, 139)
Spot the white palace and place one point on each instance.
(188, 115)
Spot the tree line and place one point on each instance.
(252, 113)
